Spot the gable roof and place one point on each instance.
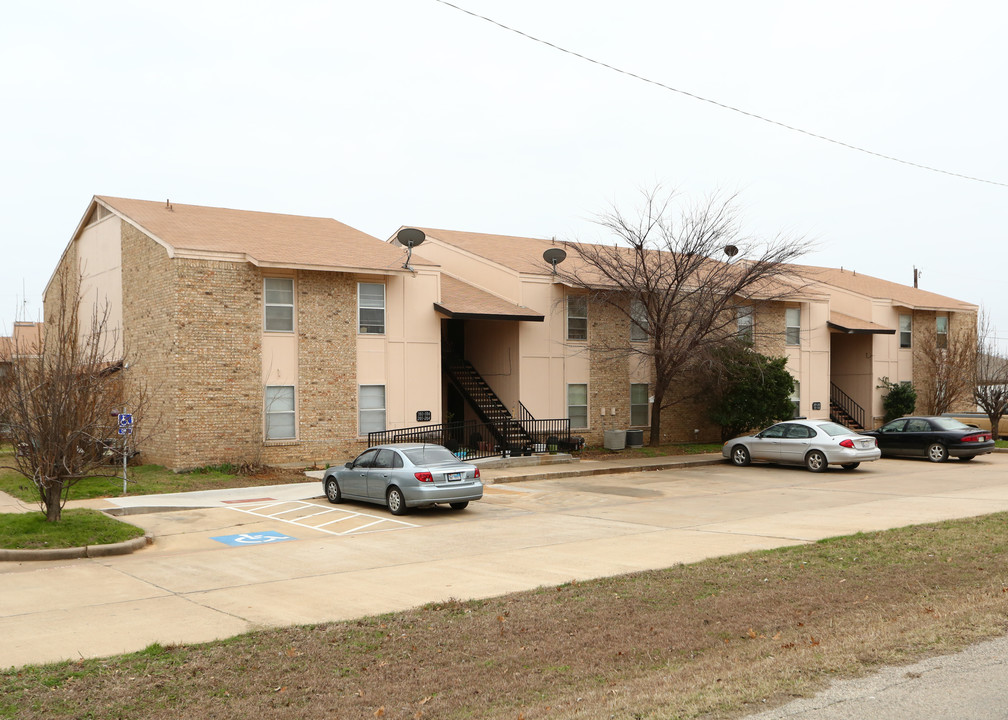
(873, 287)
(261, 238)
(521, 254)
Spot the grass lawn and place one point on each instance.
(76, 528)
(150, 480)
(715, 639)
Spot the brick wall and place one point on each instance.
(327, 371)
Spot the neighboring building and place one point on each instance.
(24, 340)
(278, 338)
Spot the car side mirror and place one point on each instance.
(349, 465)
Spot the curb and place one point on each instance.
(586, 472)
(88, 551)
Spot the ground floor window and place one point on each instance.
(796, 399)
(638, 404)
(577, 405)
(280, 419)
(371, 406)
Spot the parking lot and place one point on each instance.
(309, 561)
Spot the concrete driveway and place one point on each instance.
(191, 587)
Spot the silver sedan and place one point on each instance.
(405, 475)
(812, 443)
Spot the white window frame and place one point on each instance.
(579, 301)
(744, 322)
(361, 325)
(905, 333)
(639, 330)
(639, 407)
(271, 411)
(578, 405)
(287, 307)
(941, 335)
(792, 326)
(368, 417)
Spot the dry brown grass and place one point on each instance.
(715, 639)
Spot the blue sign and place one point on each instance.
(125, 419)
(259, 538)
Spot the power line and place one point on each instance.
(722, 105)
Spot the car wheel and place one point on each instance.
(850, 466)
(395, 501)
(815, 461)
(936, 452)
(460, 505)
(740, 456)
(332, 491)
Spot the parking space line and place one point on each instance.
(346, 515)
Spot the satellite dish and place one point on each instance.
(555, 255)
(410, 238)
(730, 250)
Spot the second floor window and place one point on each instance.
(278, 301)
(744, 318)
(577, 317)
(638, 321)
(792, 326)
(371, 307)
(941, 327)
(905, 330)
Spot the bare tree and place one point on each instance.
(61, 397)
(991, 389)
(945, 370)
(680, 279)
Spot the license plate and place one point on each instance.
(453, 477)
(866, 443)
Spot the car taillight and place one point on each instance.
(476, 475)
(976, 437)
(424, 476)
(848, 443)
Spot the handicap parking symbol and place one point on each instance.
(258, 538)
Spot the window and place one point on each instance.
(638, 404)
(796, 397)
(792, 326)
(905, 330)
(941, 326)
(280, 423)
(577, 317)
(371, 307)
(278, 294)
(744, 318)
(371, 411)
(638, 321)
(577, 405)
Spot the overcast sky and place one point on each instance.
(408, 112)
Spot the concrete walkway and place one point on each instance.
(336, 562)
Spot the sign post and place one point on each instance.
(125, 429)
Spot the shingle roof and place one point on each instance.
(266, 239)
(521, 254)
(461, 300)
(874, 287)
(851, 324)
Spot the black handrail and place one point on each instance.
(471, 440)
(846, 403)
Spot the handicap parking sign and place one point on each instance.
(264, 537)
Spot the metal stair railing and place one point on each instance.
(510, 433)
(846, 404)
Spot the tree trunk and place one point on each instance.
(53, 505)
(655, 440)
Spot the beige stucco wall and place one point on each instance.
(99, 251)
(406, 359)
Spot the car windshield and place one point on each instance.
(949, 423)
(430, 455)
(833, 429)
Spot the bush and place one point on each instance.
(900, 399)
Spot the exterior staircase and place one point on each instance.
(508, 432)
(843, 410)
